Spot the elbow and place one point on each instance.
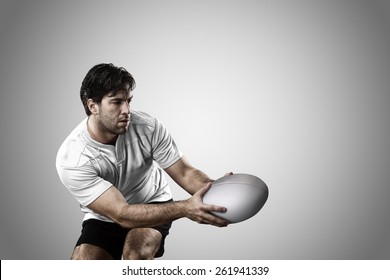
(121, 217)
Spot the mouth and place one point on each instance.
(124, 121)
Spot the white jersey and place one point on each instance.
(134, 165)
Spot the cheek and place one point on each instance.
(108, 111)
(110, 118)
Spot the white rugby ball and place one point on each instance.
(243, 196)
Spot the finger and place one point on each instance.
(214, 208)
(210, 219)
(229, 173)
(201, 192)
(216, 221)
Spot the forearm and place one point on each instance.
(194, 179)
(149, 215)
(112, 205)
(188, 177)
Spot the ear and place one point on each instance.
(92, 106)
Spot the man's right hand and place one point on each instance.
(200, 212)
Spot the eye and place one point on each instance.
(116, 101)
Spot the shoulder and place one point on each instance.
(145, 126)
(141, 121)
(71, 150)
(142, 118)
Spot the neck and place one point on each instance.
(100, 134)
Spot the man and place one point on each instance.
(113, 162)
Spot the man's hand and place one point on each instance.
(199, 212)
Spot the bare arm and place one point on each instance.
(113, 205)
(187, 176)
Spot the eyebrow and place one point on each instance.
(116, 98)
(121, 96)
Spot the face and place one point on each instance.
(113, 113)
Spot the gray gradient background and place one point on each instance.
(295, 92)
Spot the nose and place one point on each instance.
(126, 108)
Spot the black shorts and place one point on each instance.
(111, 236)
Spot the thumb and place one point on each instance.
(201, 192)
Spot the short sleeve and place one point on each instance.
(83, 183)
(164, 149)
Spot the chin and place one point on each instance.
(122, 130)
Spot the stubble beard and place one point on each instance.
(109, 125)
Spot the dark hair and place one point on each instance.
(101, 80)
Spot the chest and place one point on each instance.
(123, 164)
